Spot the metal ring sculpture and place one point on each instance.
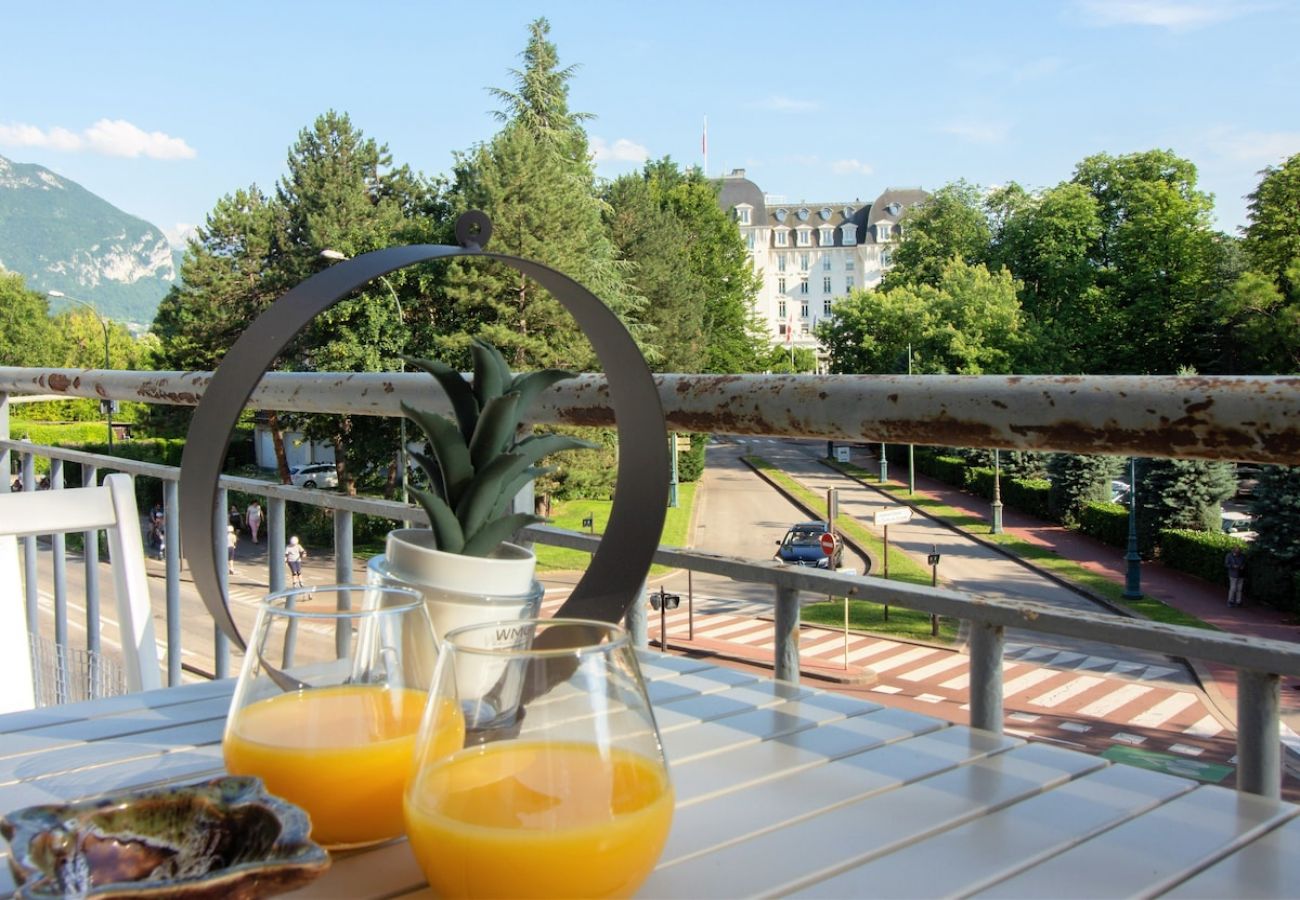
(613, 580)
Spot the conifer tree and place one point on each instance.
(1180, 493)
(1276, 508)
(1078, 479)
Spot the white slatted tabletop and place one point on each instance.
(781, 789)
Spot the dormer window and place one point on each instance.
(805, 237)
(781, 214)
(803, 214)
(848, 211)
(848, 234)
(825, 213)
(782, 236)
(882, 231)
(827, 237)
(743, 214)
(894, 208)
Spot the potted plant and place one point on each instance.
(463, 563)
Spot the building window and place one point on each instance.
(782, 237)
(803, 285)
(805, 237)
(827, 237)
(803, 327)
(749, 240)
(826, 307)
(780, 284)
(780, 262)
(882, 231)
(780, 310)
(803, 262)
(826, 262)
(803, 309)
(826, 284)
(886, 258)
(848, 234)
(848, 282)
(742, 215)
(848, 264)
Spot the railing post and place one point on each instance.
(986, 676)
(786, 652)
(220, 643)
(5, 461)
(90, 560)
(635, 620)
(59, 569)
(343, 575)
(1259, 761)
(275, 543)
(172, 557)
(31, 585)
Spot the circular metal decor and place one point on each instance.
(613, 580)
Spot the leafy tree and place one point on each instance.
(1276, 508)
(781, 360)
(951, 224)
(969, 325)
(1263, 327)
(1077, 480)
(1273, 235)
(27, 337)
(535, 181)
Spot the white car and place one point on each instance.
(1239, 525)
(314, 475)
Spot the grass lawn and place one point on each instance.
(863, 614)
(1040, 556)
(569, 514)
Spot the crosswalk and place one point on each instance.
(1044, 691)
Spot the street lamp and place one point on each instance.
(338, 255)
(1133, 574)
(996, 505)
(107, 404)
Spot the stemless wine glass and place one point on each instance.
(561, 788)
(328, 704)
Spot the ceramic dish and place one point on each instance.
(224, 838)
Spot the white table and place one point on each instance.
(781, 790)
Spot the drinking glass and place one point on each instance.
(560, 788)
(329, 700)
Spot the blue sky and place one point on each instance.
(162, 108)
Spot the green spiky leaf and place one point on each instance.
(512, 487)
(447, 533)
(451, 470)
(486, 539)
(495, 431)
(491, 372)
(480, 498)
(458, 390)
(530, 385)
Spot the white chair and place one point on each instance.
(111, 508)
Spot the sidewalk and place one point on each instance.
(1205, 601)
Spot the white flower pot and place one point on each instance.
(461, 590)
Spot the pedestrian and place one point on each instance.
(156, 513)
(157, 537)
(234, 518)
(231, 540)
(1235, 563)
(254, 519)
(294, 554)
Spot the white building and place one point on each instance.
(812, 254)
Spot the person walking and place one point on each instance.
(1235, 563)
(294, 554)
(254, 519)
(231, 540)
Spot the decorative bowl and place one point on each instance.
(224, 838)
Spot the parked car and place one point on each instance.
(802, 546)
(315, 475)
(1239, 524)
(1119, 491)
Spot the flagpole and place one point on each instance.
(704, 146)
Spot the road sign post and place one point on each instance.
(883, 518)
(933, 559)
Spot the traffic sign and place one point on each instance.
(892, 515)
(829, 541)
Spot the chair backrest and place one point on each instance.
(111, 508)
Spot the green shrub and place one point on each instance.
(690, 465)
(948, 469)
(1198, 553)
(1272, 581)
(979, 481)
(1107, 522)
(1029, 495)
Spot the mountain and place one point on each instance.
(61, 237)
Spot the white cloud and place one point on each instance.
(782, 104)
(109, 137)
(622, 150)
(1254, 148)
(179, 233)
(851, 167)
(979, 132)
(1176, 15)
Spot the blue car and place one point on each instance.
(802, 546)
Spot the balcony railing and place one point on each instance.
(1244, 419)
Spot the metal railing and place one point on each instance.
(1247, 419)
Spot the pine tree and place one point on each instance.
(1276, 508)
(1180, 493)
(1078, 479)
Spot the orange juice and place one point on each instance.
(534, 819)
(341, 753)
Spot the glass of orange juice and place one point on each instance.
(561, 788)
(329, 700)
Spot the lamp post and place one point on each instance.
(996, 506)
(1133, 574)
(337, 255)
(107, 404)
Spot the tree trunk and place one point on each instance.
(277, 441)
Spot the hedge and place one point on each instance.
(1271, 581)
(1029, 495)
(948, 469)
(1198, 553)
(1107, 522)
